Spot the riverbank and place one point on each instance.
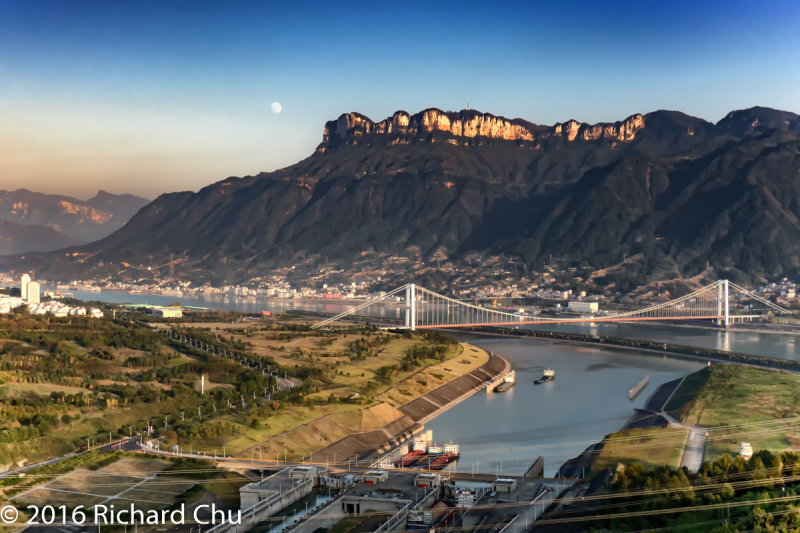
(650, 416)
(372, 444)
(679, 351)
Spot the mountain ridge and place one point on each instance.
(80, 221)
(664, 184)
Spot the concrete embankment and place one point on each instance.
(372, 444)
(427, 407)
(691, 353)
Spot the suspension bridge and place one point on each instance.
(425, 309)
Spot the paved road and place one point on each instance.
(695, 450)
(128, 445)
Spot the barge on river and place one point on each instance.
(548, 375)
(429, 456)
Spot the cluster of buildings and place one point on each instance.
(785, 291)
(9, 303)
(397, 500)
(30, 296)
(60, 309)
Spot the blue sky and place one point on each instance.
(158, 96)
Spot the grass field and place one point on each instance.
(149, 482)
(741, 403)
(353, 380)
(300, 431)
(648, 447)
(323, 431)
(96, 483)
(434, 376)
(11, 390)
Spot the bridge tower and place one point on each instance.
(411, 307)
(723, 309)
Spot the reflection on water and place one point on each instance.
(778, 345)
(245, 305)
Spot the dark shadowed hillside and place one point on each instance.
(81, 221)
(678, 189)
(17, 238)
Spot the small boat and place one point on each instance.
(548, 375)
(508, 382)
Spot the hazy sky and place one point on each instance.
(157, 96)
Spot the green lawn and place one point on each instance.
(740, 403)
(648, 447)
(11, 390)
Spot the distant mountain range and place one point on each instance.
(32, 221)
(673, 190)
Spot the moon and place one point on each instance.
(276, 107)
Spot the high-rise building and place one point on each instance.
(23, 286)
(33, 292)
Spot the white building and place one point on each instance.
(583, 307)
(23, 286)
(746, 450)
(168, 312)
(33, 292)
(9, 303)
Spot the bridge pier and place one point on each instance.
(411, 305)
(723, 309)
(727, 309)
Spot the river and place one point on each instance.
(588, 399)
(234, 303)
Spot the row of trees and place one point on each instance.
(729, 494)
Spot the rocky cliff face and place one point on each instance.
(466, 125)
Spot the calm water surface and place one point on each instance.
(588, 399)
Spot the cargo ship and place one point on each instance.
(548, 375)
(431, 456)
(508, 382)
(409, 459)
(448, 453)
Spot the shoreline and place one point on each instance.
(470, 393)
(778, 329)
(371, 445)
(572, 465)
(677, 351)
